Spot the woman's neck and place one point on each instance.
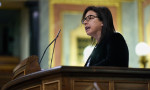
(98, 36)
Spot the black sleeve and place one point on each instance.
(117, 52)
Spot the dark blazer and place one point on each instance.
(113, 52)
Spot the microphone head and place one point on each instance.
(58, 33)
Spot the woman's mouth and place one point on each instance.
(87, 28)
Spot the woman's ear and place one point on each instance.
(102, 24)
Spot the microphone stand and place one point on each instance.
(48, 46)
(52, 53)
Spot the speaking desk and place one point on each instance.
(83, 78)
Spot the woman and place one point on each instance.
(111, 48)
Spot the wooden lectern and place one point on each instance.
(83, 78)
(29, 65)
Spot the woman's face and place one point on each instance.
(93, 25)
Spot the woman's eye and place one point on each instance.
(90, 17)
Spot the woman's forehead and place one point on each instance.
(90, 12)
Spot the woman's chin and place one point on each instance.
(88, 33)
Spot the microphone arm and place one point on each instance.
(52, 54)
(58, 34)
(48, 46)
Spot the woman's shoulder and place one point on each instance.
(113, 38)
(117, 37)
(117, 34)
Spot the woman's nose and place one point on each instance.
(85, 22)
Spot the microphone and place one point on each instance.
(54, 48)
(48, 46)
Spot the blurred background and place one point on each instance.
(28, 26)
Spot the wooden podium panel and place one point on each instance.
(83, 78)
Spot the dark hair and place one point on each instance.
(105, 16)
